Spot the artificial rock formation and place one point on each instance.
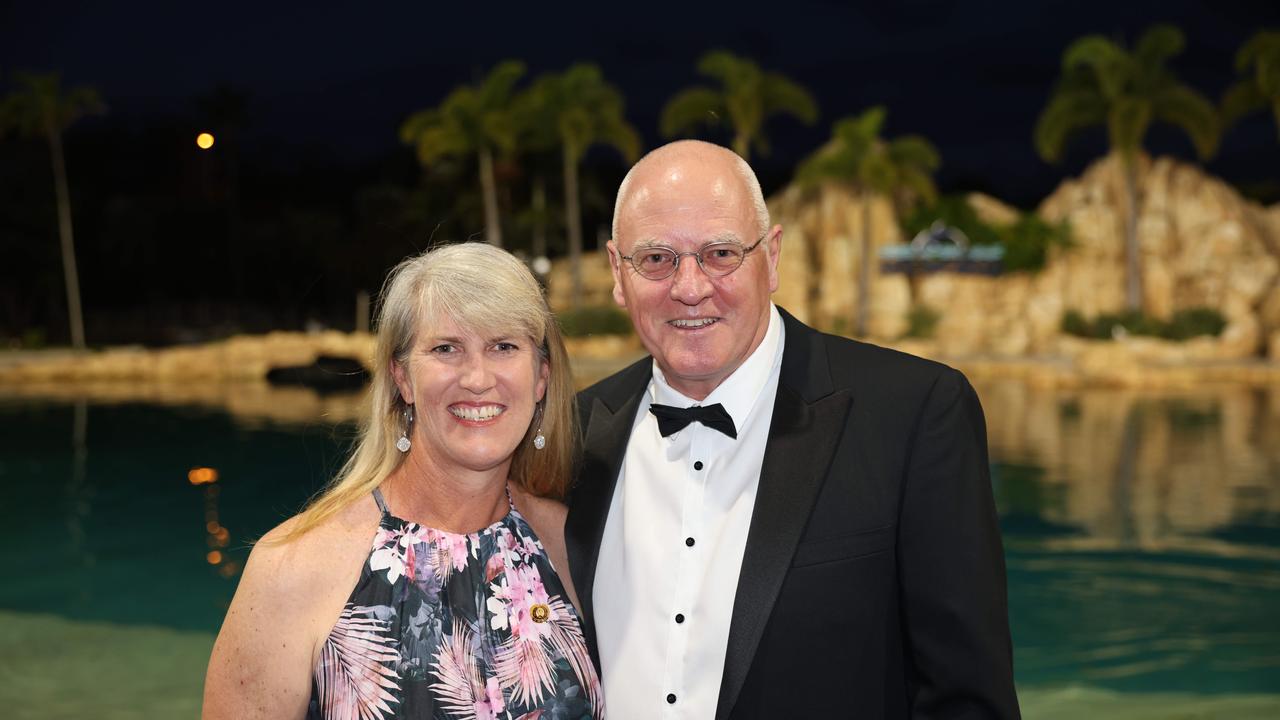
(1202, 246)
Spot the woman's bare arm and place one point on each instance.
(288, 600)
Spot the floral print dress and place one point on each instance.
(443, 625)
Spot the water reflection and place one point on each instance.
(1188, 470)
(1142, 535)
(1142, 529)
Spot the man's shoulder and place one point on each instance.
(859, 363)
(860, 357)
(619, 385)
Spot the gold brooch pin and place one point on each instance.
(540, 613)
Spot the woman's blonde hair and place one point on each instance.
(488, 291)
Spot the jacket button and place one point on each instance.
(671, 699)
(688, 542)
(679, 617)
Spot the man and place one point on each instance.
(817, 536)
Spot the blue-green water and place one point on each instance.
(1142, 538)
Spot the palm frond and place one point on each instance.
(832, 161)
(442, 140)
(1067, 113)
(458, 683)
(566, 638)
(1264, 45)
(870, 123)
(1181, 106)
(1109, 64)
(914, 151)
(495, 89)
(415, 124)
(726, 67)
(356, 678)
(524, 666)
(619, 134)
(39, 105)
(781, 94)
(499, 129)
(877, 173)
(1127, 123)
(918, 187)
(1158, 44)
(691, 108)
(1241, 99)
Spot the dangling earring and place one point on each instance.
(403, 444)
(539, 440)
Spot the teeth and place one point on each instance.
(700, 322)
(488, 412)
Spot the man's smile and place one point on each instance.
(693, 323)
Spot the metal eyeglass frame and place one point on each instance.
(697, 254)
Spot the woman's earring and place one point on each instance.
(403, 444)
(539, 440)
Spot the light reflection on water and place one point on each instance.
(1142, 535)
(1142, 530)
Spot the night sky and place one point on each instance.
(970, 76)
(282, 225)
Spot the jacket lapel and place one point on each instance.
(808, 421)
(605, 437)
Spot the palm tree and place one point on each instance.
(582, 109)
(747, 97)
(471, 120)
(900, 169)
(39, 107)
(1261, 55)
(539, 142)
(1102, 83)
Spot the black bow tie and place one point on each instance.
(674, 419)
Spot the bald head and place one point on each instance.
(687, 153)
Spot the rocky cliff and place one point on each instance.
(1202, 244)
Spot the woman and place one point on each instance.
(416, 584)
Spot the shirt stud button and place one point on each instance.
(671, 698)
(679, 617)
(697, 465)
(688, 542)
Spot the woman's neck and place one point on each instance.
(457, 500)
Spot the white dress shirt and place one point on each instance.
(673, 544)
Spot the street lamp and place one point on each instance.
(204, 141)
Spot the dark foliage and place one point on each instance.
(1184, 324)
(598, 320)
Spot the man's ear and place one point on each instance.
(615, 266)
(773, 250)
(401, 379)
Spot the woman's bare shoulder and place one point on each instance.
(291, 593)
(283, 563)
(544, 514)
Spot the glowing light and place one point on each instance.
(202, 476)
(212, 527)
(214, 557)
(204, 141)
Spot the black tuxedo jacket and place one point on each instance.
(873, 581)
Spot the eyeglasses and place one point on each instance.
(717, 259)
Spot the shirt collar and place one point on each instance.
(738, 392)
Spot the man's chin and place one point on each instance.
(679, 370)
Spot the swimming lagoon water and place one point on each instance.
(1142, 535)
